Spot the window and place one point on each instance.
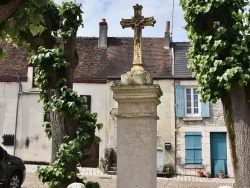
(88, 102)
(192, 102)
(193, 148)
(33, 76)
(188, 103)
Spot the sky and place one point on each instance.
(114, 10)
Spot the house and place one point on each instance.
(101, 63)
(201, 135)
(187, 136)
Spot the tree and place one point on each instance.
(49, 32)
(219, 56)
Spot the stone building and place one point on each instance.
(102, 61)
(201, 135)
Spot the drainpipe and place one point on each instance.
(17, 106)
(175, 130)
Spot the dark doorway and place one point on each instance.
(94, 160)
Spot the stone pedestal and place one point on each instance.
(137, 133)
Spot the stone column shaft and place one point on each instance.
(137, 135)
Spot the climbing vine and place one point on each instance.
(49, 31)
(69, 104)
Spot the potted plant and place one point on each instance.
(199, 173)
(221, 174)
(168, 169)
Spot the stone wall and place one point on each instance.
(215, 123)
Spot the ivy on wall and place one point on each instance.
(46, 28)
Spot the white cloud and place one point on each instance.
(114, 10)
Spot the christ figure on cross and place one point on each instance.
(137, 23)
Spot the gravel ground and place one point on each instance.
(32, 181)
(161, 183)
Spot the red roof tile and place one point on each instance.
(15, 63)
(98, 64)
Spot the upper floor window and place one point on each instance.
(192, 103)
(188, 103)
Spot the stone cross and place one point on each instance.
(137, 23)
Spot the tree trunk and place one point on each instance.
(65, 126)
(8, 8)
(61, 127)
(237, 118)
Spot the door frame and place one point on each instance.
(219, 162)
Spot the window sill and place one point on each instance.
(194, 166)
(32, 91)
(192, 119)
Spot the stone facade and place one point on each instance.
(206, 126)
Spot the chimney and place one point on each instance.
(168, 39)
(103, 34)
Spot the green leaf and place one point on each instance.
(35, 30)
(41, 28)
(2, 54)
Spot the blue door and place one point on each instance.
(218, 144)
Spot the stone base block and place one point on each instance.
(136, 78)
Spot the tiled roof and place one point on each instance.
(116, 59)
(98, 63)
(15, 64)
(180, 60)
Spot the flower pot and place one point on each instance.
(199, 174)
(208, 175)
(221, 175)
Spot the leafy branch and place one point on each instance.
(49, 31)
(220, 44)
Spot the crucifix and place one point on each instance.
(137, 23)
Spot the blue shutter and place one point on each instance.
(193, 148)
(205, 111)
(180, 103)
(197, 147)
(189, 146)
(197, 157)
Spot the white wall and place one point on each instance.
(166, 122)
(98, 105)
(32, 144)
(111, 125)
(31, 141)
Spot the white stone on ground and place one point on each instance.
(76, 185)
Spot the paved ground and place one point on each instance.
(109, 181)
